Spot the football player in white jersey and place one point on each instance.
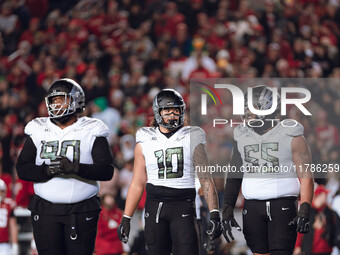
(165, 156)
(66, 157)
(270, 159)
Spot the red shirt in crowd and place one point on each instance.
(24, 191)
(6, 211)
(107, 241)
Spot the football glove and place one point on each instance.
(61, 165)
(53, 168)
(301, 221)
(228, 223)
(214, 226)
(124, 229)
(67, 166)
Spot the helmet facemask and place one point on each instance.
(172, 123)
(57, 110)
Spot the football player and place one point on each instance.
(165, 156)
(8, 224)
(270, 158)
(65, 156)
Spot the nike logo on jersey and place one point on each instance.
(185, 215)
(285, 208)
(88, 218)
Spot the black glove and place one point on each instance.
(228, 223)
(302, 219)
(124, 229)
(67, 166)
(214, 226)
(53, 168)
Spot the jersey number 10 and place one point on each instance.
(169, 153)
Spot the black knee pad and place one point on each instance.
(280, 252)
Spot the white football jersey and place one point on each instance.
(269, 171)
(169, 161)
(75, 142)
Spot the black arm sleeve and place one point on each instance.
(26, 168)
(234, 179)
(102, 167)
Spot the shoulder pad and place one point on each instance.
(197, 134)
(98, 127)
(144, 134)
(239, 131)
(35, 125)
(292, 130)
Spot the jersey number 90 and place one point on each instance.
(50, 149)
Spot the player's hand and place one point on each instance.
(214, 226)
(124, 229)
(301, 221)
(53, 168)
(67, 166)
(228, 223)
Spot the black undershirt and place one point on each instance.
(100, 170)
(168, 135)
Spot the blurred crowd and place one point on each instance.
(123, 52)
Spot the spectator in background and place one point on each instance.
(127, 145)
(199, 61)
(8, 226)
(9, 23)
(320, 238)
(107, 241)
(327, 133)
(24, 192)
(110, 116)
(125, 178)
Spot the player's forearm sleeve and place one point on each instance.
(26, 168)
(234, 178)
(102, 167)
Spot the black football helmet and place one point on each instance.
(74, 98)
(168, 98)
(262, 100)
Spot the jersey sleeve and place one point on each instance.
(95, 126)
(101, 129)
(239, 131)
(144, 134)
(34, 126)
(294, 130)
(197, 136)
